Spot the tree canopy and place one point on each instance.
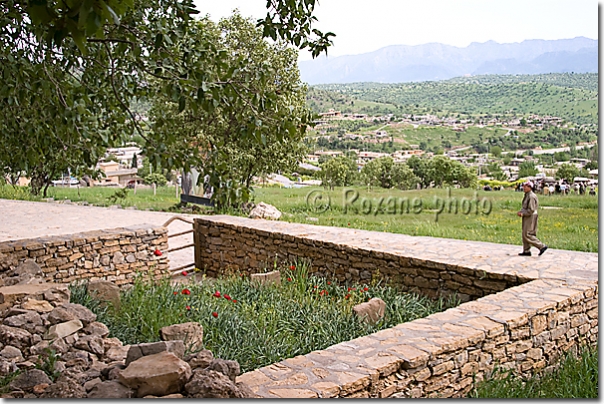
(70, 71)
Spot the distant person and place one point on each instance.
(530, 204)
(592, 190)
(551, 189)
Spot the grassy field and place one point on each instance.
(565, 222)
(164, 199)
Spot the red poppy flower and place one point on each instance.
(365, 289)
(354, 289)
(157, 253)
(315, 286)
(188, 307)
(175, 293)
(326, 292)
(184, 273)
(292, 267)
(214, 314)
(349, 289)
(234, 300)
(289, 279)
(329, 283)
(227, 297)
(186, 292)
(216, 294)
(346, 297)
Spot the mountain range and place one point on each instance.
(434, 61)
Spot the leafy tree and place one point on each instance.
(403, 177)
(71, 70)
(156, 178)
(337, 172)
(233, 143)
(567, 172)
(527, 169)
(496, 151)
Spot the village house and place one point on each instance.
(116, 174)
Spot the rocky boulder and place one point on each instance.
(265, 211)
(371, 311)
(105, 291)
(212, 384)
(190, 333)
(71, 311)
(158, 374)
(110, 389)
(139, 350)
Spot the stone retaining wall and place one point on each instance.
(114, 255)
(520, 313)
(221, 246)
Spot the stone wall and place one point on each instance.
(442, 355)
(520, 313)
(114, 255)
(220, 246)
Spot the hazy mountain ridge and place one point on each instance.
(433, 61)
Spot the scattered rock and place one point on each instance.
(201, 359)
(15, 336)
(371, 311)
(266, 278)
(117, 353)
(159, 374)
(64, 389)
(40, 306)
(96, 328)
(62, 330)
(139, 350)
(212, 384)
(190, 333)
(228, 368)
(28, 379)
(105, 291)
(109, 389)
(28, 321)
(265, 211)
(91, 343)
(71, 311)
(10, 352)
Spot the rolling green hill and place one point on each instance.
(573, 97)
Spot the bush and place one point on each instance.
(155, 178)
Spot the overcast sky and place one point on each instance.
(368, 25)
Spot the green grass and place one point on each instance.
(572, 225)
(164, 199)
(266, 324)
(577, 377)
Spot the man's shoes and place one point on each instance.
(525, 254)
(541, 251)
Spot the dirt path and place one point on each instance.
(23, 219)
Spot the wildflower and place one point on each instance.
(315, 286)
(175, 293)
(188, 307)
(349, 289)
(289, 279)
(186, 292)
(292, 267)
(329, 283)
(157, 253)
(184, 273)
(214, 314)
(227, 297)
(347, 296)
(234, 300)
(365, 289)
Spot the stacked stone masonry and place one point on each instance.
(115, 255)
(520, 313)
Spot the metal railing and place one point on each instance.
(182, 247)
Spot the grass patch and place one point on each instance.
(577, 377)
(258, 325)
(573, 225)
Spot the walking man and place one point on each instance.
(530, 204)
